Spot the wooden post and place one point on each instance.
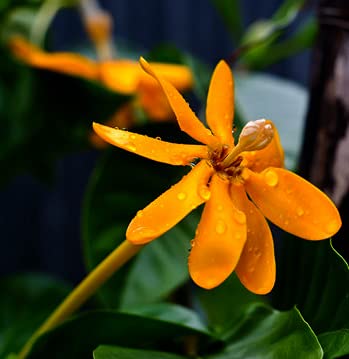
(325, 152)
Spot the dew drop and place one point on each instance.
(204, 193)
(181, 196)
(140, 213)
(331, 227)
(271, 178)
(220, 227)
(132, 137)
(131, 147)
(158, 138)
(300, 211)
(257, 253)
(251, 269)
(192, 243)
(240, 217)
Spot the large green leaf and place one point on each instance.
(25, 301)
(265, 333)
(224, 305)
(255, 97)
(113, 352)
(122, 184)
(335, 344)
(313, 276)
(78, 337)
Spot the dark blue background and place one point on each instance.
(40, 224)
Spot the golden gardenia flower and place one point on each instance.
(123, 76)
(240, 184)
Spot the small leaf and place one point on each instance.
(113, 352)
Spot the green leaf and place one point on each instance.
(122, 184)
(170, 313)
(259, 47)
(313, 276)
(225, 304)
(77, 338)
(109, 352)
(25, 301)
(230, 11)
(265, 333)
(255, 97)
(270, 52)
(335, 344)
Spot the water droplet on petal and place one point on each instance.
(257, 252)
(131, 147)
(132, 137)
(271, 178)
(140, 213)
(331, 227)
(204, 193)
(240, 217)
(300, 211)
(220, 227)
(251, 269)
(181, 196)
(192, 243)
(158, 138)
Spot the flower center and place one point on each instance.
(227, 161)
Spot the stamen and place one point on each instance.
(255, 136)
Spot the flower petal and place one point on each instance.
(293, 204)
(220, 103)
(270, 156)
(186, 118)
(67, 63)
(121, 75)
(179, 76)
(157, 150)
(171, 207)
(256, 267)
(219, 239)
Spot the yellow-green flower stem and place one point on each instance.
(94, 280)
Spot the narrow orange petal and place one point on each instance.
(172, 206)
(256, 267)
(179, 76)
(64, 62)
(270, 156)
(186, 118)
(219, 240)
(220, 103)
(293, 204)
(154, 149)
(121, 75)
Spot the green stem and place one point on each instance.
(84, 290)
(43, 20)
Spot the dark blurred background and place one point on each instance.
(41, 223)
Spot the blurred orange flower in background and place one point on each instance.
(120, 75)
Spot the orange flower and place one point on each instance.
(124, 76)
(240, 185)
